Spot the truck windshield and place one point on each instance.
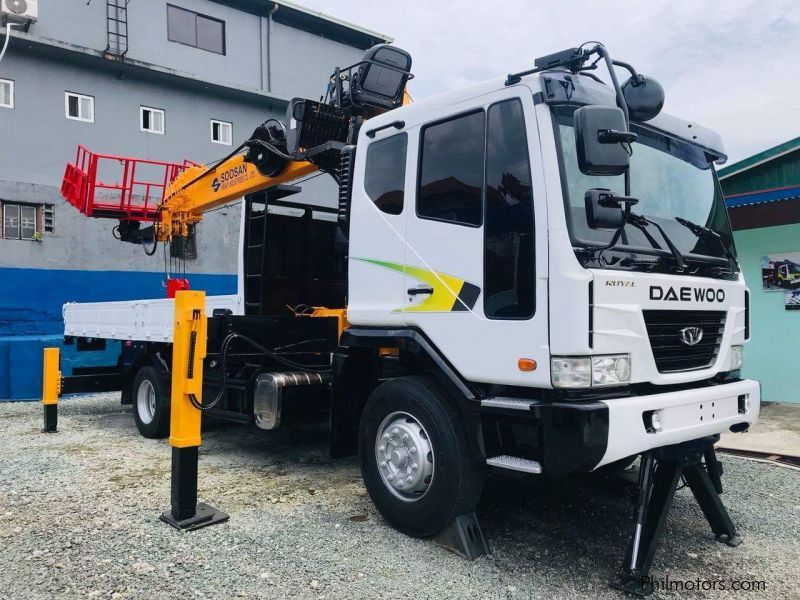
(671, 178)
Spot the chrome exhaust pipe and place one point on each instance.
(270, 387)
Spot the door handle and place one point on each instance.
(420, 290)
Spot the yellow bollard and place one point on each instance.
(51, 388)
(188, 351)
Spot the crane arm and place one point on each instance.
(319, 131)
(201, 188)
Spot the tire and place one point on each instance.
(410, 404)
(150, 404)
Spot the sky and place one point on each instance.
(731, 65)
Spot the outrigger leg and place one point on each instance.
(660, 473)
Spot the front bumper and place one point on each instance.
(686, 415)
(572, 436)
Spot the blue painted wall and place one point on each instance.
(773, 352)
(31, 299)
(30, 317)
(21, 363)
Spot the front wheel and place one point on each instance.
(415, 459)
(150, 404)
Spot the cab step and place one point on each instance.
(507, 403)
(515, 463)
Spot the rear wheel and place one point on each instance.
(415, 459)
(150, 404)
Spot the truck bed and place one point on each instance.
(138, 320)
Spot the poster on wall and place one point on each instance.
(792, 300)
(781, 272)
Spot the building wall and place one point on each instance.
(772, 354)
(265, 64)
(44, 139)
(38, 140)
(270, 57)
(293, 51)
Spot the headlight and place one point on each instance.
(585, 371)
(737, 357)
(571, 372)
(611, 370)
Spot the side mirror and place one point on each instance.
(604, 210)
(599, 133)
(644, 97)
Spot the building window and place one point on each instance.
(20, 222)
(79, 107)
(196, 30)
(6, 93)
(151, 119)
(221, 132)
(385, 173)
(451, 170)
(49, 218)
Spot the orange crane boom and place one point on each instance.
(200, 189)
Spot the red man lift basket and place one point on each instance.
(115, 187)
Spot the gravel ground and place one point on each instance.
(79, 518)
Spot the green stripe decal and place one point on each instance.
(450, 293)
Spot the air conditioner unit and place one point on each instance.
(21, 12)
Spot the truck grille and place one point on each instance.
(671, 353)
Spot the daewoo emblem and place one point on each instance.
(691, 336)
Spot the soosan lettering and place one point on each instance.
(234, 172)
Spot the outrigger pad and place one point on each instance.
(204, 516)
(729, 540)
(463, 537)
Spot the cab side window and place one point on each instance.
(451, 170)
(508, 228)
(385, 175)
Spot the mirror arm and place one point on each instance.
(628, 184)
(601, 50)
(629, 67)
(626, 213)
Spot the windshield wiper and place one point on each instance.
(707, 233)
(641, 221)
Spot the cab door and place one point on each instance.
(377, 230)
(476, 253)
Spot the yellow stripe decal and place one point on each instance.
(450, 293)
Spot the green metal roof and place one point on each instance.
(760, 158)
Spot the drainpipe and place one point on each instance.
(261, 54)
(272, 11)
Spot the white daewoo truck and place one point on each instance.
(535, 274)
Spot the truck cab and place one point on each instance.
(469, 230)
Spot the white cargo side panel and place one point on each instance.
(137, 320)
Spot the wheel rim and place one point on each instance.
(146, 402)
(404, 455)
